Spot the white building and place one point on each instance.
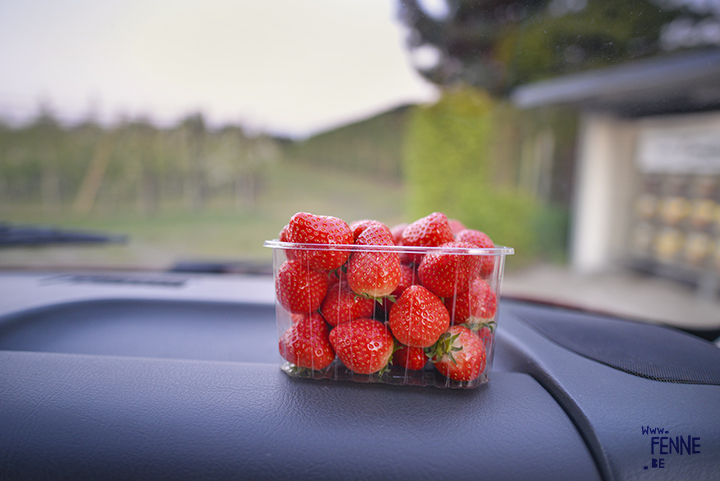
(647, 186)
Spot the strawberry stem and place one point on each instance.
(474, 325)
(443, 346)
(378, 299)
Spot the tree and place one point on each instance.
(46, 139)
(499, 44)
(194, 134)
(464, 41)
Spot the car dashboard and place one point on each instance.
(118, 375)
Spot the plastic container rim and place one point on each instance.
(477, 251)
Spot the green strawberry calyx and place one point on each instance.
(296, 370)
(386, 367)
(379, 300)
(475, 324)
(443, 346)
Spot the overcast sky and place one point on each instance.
(290, 67)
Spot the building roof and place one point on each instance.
(680, 83)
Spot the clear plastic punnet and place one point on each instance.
(419, 316)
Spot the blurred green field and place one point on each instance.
(220, 232)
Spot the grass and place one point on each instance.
(219, 232)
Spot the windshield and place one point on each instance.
(159, 135)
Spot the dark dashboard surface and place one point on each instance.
(180, 379)
(193, 330)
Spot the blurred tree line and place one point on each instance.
(134, 164)
(372, 147)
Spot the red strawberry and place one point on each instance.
(487, 331)
(459, 354)
(475, 306)
(306, 343)
(305, 228)
(283, 237)
(482, 240)
(410, 358)
(343, 305)
(418, 318)
(446, 273)
(375, 273)
(358, 226)
(431, 231)
(363, 345)
(336, 277)
(397, 232)
(456, 226)
(476, 237)
(300, 289)
(375, 234)
(408, 277)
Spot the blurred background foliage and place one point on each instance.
(370, 147)
(480, 160)
(189, 191)
(497, 45)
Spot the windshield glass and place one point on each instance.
(582, 133)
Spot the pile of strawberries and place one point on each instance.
(375, 297)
